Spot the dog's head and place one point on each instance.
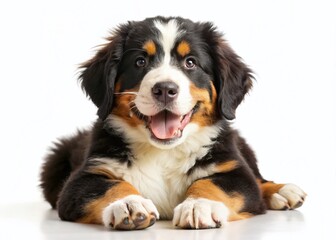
(168, 76)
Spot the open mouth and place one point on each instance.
(166, 126)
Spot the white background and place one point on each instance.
(289, 117)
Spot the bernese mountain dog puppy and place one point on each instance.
(162, 147)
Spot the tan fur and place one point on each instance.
(206, 115)
(183, 48)
(227, 166)
(150, 47)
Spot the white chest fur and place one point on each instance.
(161, 175)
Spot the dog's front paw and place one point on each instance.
(131, 212)
(200, 213)
(289, 196)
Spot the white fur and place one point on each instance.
(114, 213)
(200, 213)
(169, 33)
(161, 174)
(289, 196)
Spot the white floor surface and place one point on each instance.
(36, 221)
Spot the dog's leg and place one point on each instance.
(212, 201)
(92, 198)
(276, 196)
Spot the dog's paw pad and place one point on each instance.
(200, 213)
(289, 196)
(131, 212)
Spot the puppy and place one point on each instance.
(165, 89)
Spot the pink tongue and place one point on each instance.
(165, 124)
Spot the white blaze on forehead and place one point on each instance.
(169, 33)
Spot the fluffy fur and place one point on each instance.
(162, 146)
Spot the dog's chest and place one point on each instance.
(162, 177)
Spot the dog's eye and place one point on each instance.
(189, 63)
(140, 62)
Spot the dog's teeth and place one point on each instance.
(181, 118)
(177, 133)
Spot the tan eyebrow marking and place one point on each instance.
(183, 48)
(150, 47)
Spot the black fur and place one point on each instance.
(86, 187)
(66, 156)
(99, 74)
(107, 142)
(233, 79)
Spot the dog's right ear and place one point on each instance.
(99, 73)
(232, 77)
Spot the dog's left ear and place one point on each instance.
(233, 79)
(99, 73)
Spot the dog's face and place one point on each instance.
(166, 78)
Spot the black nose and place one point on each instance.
(165, 92)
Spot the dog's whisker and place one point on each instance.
(134, 110)
(125, 93)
